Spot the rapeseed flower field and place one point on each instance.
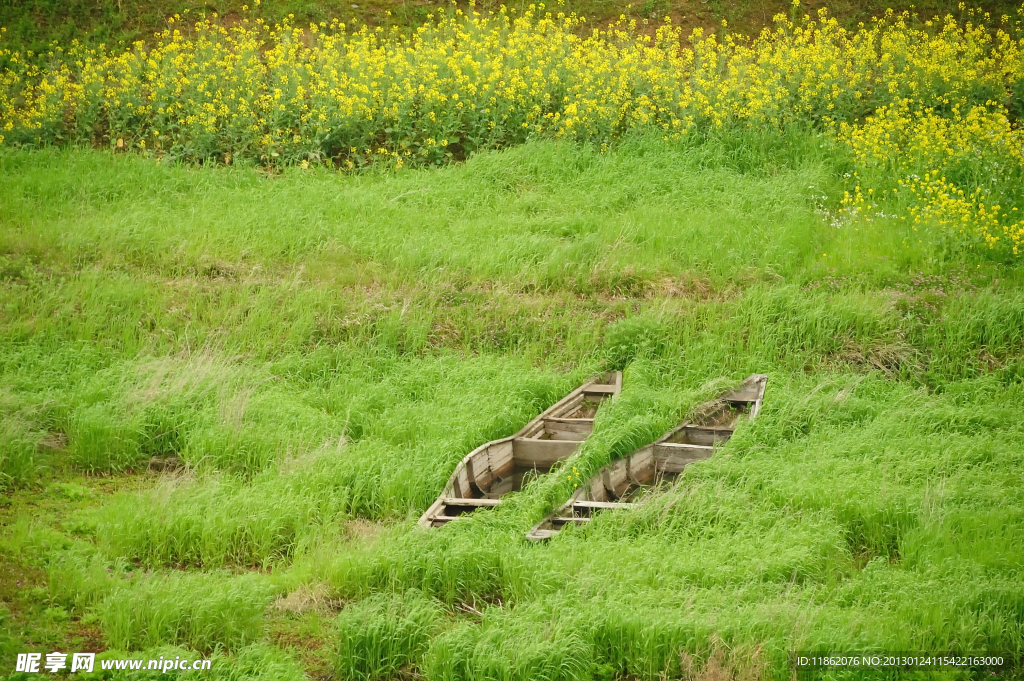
(924, 107)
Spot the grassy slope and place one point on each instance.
(32, 24)
(321, 349)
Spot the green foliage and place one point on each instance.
(19, 457)
(223, 385)
(222, 521)
(633, 337)
(386, 634)
(205, 611)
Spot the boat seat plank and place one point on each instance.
(451, 501)
(566, 429)
(542, 453)
(684, 446)
(537, 535)
(676, 464)
(602, 504)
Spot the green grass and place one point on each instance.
(381, 635)
(227, 396)
(204, 612)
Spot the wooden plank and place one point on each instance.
(555, 431)
(471, 475)
(501, 458)
(683, 446)
(602, 504)
(640, 466)
(532, 430)
(597, 491)
(701, 435)
(601, 389)
(571, 519)
(676, 464)
(463, 478)
(540, 535)
(615, 479)
(579, 426)
(542, 453)
(449, 501)
(428, 515)
(566, 436)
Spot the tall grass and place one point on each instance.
(385, 635)
(204, 612)
(290, 366)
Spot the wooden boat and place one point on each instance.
(620, 483)
(497, 468)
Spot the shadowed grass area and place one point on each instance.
(34, 24)
(223, 388)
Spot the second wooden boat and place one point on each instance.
(618, 484)
(500, 467)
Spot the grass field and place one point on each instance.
(228, 389)
(319, 350)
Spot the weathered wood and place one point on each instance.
(615, 478)
(701, 435)
(542, 454)
(554, 432)
(596, 489)
(470, 502)
(675, 465)
(747, 394)
(502, 461)
(668, 450)
(641, 465)
(540, 535)
(471, 474)
(568, 429)
(602, 504)
(673, 458)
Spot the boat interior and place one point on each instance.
(504, 466)
(658, 464)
